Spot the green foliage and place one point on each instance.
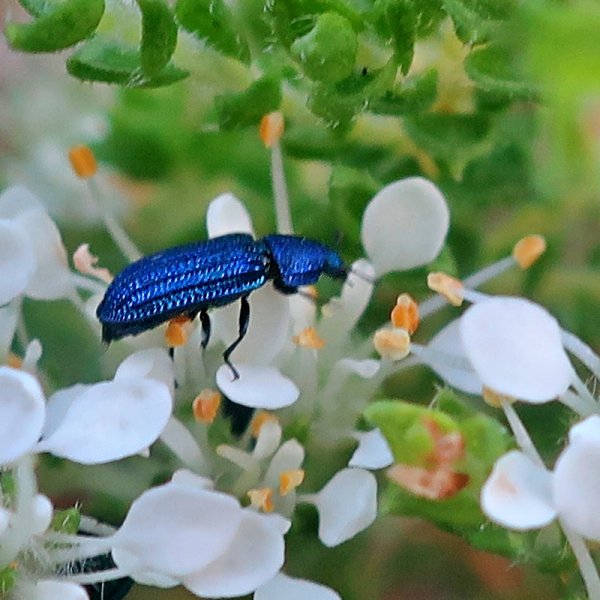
(9, 577)
(159, 36)
(66, 521)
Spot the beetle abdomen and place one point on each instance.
(182, 281)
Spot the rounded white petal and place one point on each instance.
(152, 363)
(347, 505)
(290, 588)
(516, 349)
(176, 529)
(289, 457)
(303, 311)
(366, 368)
(151, 578)
(59, 590)
(226, 214)
(22, 413)
(17, 261)
(186, 477)
(18, 199)
(373, 451)
(518, 493)
(8, 325)
(268, 331)
(405, 225)
(269, 438)
(576, 482)
(41, 514)
(111, 420)
(446, 356)
(58, 405)
(52, 277)
(258, 387)
(254, 556)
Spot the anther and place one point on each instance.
(176, 333)
(271, 128)
(206, 405)
(392, 343)
(290, 480)
(83, 161)
(260, 418)
(85, 262)
(528, 249)
(495, 399)
(309, 338)
(262, 498)
(406, 313)
(449, 287)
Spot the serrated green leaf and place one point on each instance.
(159, 36)
(327, 53)
(212, 22)
(402, 20)
(248, 107)
(61, 27)
(66, 521)
(100, 60)
(490, 68)
(416, 95)
(470, 26)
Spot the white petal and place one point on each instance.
(59, 590)
(373, 451)
(258, 387)
(186, 477)
(516, 349)
(289, 457)
(58, 405)
(17, 261)
(52, 277)
(347, 505)
(151, 578)
(290, 588)
(518, 493)
(269, 438)
(22, 412)
(8, 325)
(366, 368)
(303, 311)
(254, 556)
(445, 354)
(405, 225)
(226, 214)
(176, 529)
(33, 353)
(576, 482)
(41, 514)
(179, 439)
(111, 420)
(268, 331)
(16, 200)
(4, 519)
(153, 363)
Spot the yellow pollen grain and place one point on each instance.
(392, 343)
(290, 480)
(495, 399)
(449, 287)
(14, 361)
(406, 313)
(260, 418)
(176, 333)
(528, 249)
(262, 498)
(83, 161)
(206, 405)
(271, 128)
(309, 338)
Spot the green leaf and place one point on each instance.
(212, 22)
(66, 521)
(159, 36)
(100, 60)
(327, 53)
(62, 26)
(416, 95)
(9, 577)
(36, 8)
(471, 27)
(248, 107)
(402, 20)
(490, 68)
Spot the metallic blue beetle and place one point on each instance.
(189, 280)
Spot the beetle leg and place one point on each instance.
(243, 328)
(205, 323)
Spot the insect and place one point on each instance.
(189, 280)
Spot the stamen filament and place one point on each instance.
(521, 434)
(586, 565)
(582, 351)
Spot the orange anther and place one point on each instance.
(176, 333)
(309, 338)
(206, 405)
(290, 480)
(14, 361)
(392, 343)
(528, 249)
(271, 128)
(406, 313)
(495, 399)
(449, 287)
(262, 498)
(83, 161)
(260, 418)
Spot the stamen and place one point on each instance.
(206, 405)
(449, 287)
(406, 313)
(271, 128)
(494, 399)
(259, 420)
(262, 499)
(14, 361)
(528, 249)
(392, 343)
(309, 338)
(85, 262)
(83, 161)
(290, 480)
(176, 334)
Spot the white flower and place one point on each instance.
(373, 451)
(289, 588)
(57, 590)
